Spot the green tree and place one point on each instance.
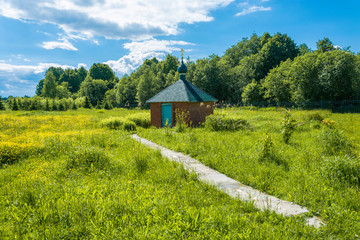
(252, 93)
(244, 48)
(82, 72)
(49, 89)
(314, 77)
(62, 91)
(34, 105)
(126, 90)
(304, 49)
(277, 83)
(47, 105)
(56, 71)
(93, 89)
(39, 87)
(170, 63)
(2, 105)
(101, 71)
(211, 76)
(61, 106)
(73, 106)
(277, 49)
(87, 103)
(15, 105)
(72, 78)
(324, 45)
(145, 88)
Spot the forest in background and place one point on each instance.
(267, 68)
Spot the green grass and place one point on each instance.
(319, 168)
(85, 181)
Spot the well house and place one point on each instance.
(181, 97)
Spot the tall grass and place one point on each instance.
(318, 168)
(90, 182)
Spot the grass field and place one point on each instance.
(79, 175)
(318, 168)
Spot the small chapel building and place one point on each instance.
(181, 96)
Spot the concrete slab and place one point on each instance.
(232, 187)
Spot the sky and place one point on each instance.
(37, 34)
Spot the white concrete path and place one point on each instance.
(232, 187)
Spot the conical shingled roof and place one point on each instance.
(182, 91)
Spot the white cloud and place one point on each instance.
(113, 19)
(21, 70)
(65, 44)
(252, 9)
(81, 65)
(141, 50)
(20, 80)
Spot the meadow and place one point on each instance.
(79, 175)
(307, 157)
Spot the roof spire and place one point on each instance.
(182, 68)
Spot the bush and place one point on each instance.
(88, 158)
(287, 127)
(334, 142)
(223, 123)
(267, 152)
(140, 119)
(182, 120)
(314, 117)
(344, 169)
(112, 123)
(129, 126)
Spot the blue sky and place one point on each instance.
(37, 34)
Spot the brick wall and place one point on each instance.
(197, 111)
(155, 109)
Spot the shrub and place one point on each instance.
(334, 142)
(112, 123)
(287, 127)
(88, 158)
(129, 126)
(345, 169)
(314, 117)
(140, 119)
(223, 123)
(267, 152)
(182, 120)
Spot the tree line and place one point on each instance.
(267, 68)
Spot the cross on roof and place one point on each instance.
(182, 54)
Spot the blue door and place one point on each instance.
(166, 114)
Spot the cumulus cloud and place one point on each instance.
(61, 44)
(22, 70)
(141, 50)
(20, 80)
(113, 19)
